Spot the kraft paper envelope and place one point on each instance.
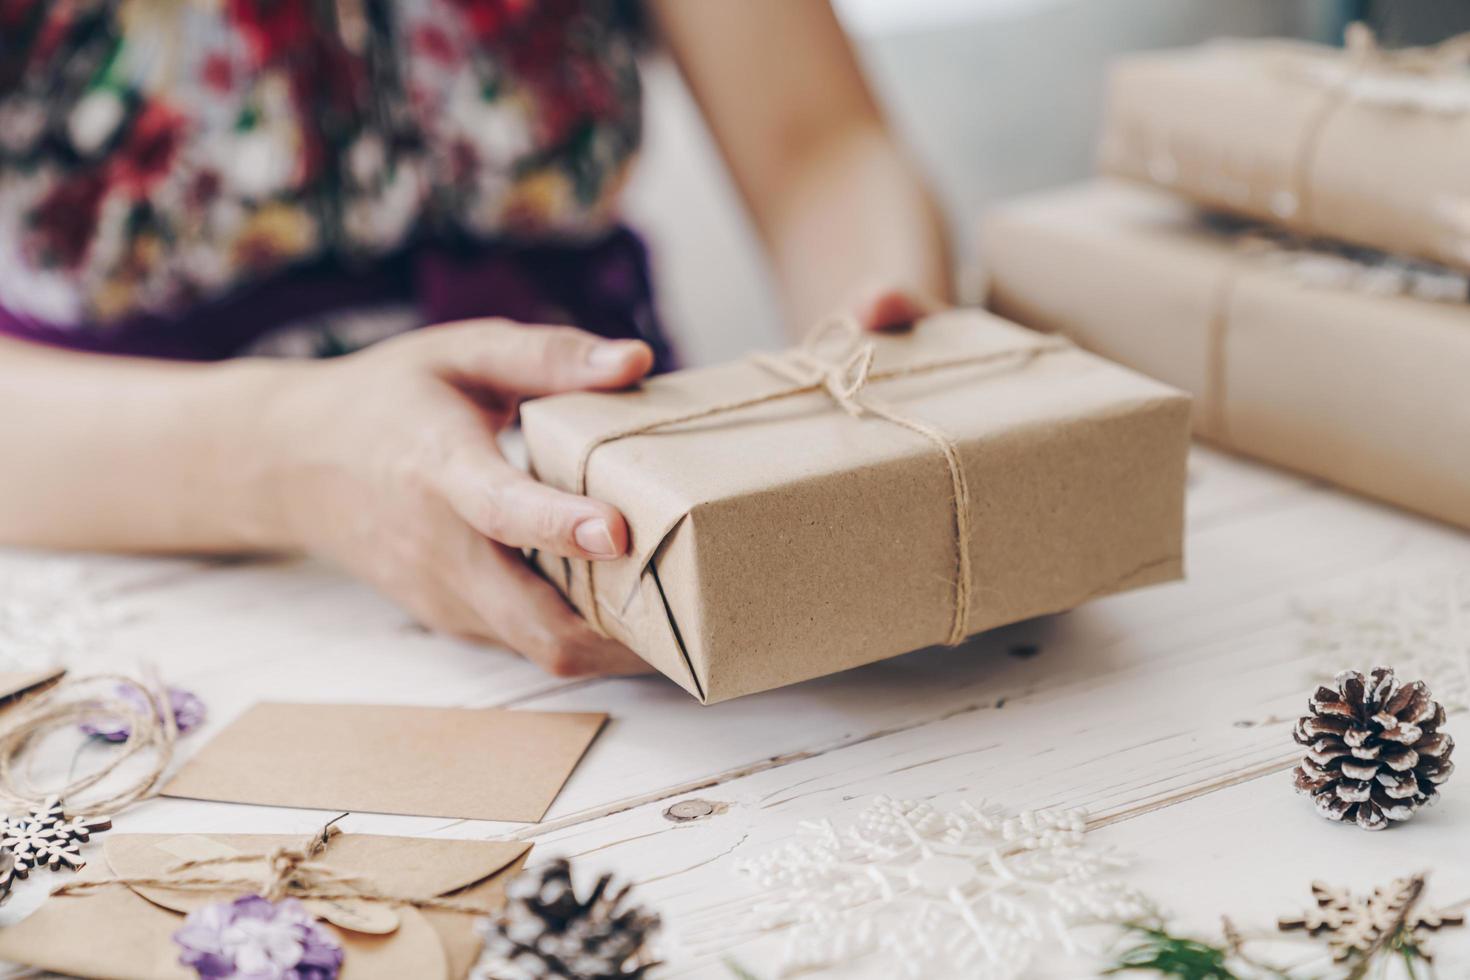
(16, 684)
(792, 538)
(1300, 135)
(469, 763)
(122, 933)
(1367, 391)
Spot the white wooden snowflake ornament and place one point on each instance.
(52, 612)
(48, 837)
(1355, 925)
(975, 892)
(7, 875)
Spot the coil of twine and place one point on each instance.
(153, 732)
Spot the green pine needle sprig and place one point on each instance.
(1154, 949)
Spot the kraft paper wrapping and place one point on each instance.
(1364, 391)
(1350, 145)
(790, 539)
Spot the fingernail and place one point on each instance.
(610, 355)
(593, 537)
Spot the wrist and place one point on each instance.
(252, 449)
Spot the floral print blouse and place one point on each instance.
(157, 154)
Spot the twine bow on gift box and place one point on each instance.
(1434, 59)
(838, 359)
(1423, 68)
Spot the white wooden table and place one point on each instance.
(1166, 713)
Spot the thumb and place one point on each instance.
(535, 360)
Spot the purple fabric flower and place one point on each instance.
(253, 939)
(188, 713)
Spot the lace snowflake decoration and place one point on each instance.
(1420, 627)
(975, 892)
(51, 611)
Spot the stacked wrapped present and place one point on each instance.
(1283, 229)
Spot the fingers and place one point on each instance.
(885, 308)
(505, 504)
(462, 584)
(534, 360)
(531, 618)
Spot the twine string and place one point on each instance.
(1214, 400)
(844, 381)
(1434, 59)
(845, 378)
(153, 729)
(291, 872)
(1365, 55)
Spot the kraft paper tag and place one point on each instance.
(373, 918)
(465, 763)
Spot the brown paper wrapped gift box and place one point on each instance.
(1365, 146)
(791, 539)
(1365, 391)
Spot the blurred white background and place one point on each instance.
(994, 96)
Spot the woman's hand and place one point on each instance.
(386, 462)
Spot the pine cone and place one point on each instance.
(1375, 753)
(545, 930)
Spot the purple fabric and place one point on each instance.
(603, 286)
(187, 707)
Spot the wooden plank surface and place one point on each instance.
(1163, 712)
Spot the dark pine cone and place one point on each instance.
(1375, 753)
(545, 930)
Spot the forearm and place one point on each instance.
(853, 215)
(840, 208)
(133, 455)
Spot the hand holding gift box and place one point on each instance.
(797, 515)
